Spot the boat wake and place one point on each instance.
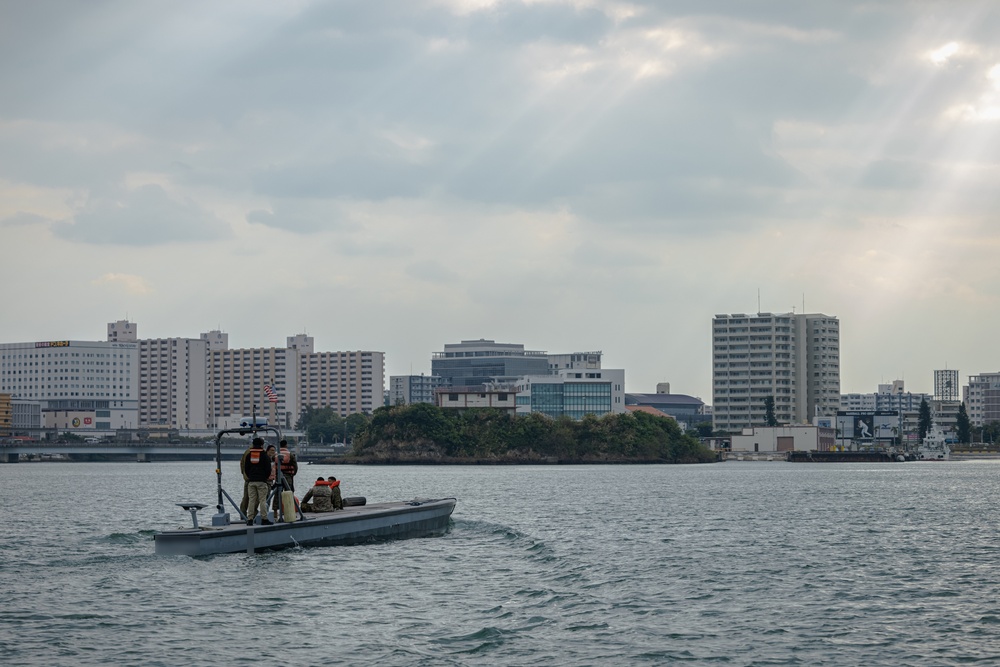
(140, 536)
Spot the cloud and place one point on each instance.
(501, 164)
(22, 218)
(147, 215)
(306, 217)
(132, 284)
(432, 271)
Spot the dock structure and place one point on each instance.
(11, 452)
(875, 456)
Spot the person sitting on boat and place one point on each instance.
(321, 496)
(258, 470)
(336, 499)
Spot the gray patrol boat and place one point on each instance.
(358, 522)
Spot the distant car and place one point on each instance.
(93, 441)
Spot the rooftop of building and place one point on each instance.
(662, 399)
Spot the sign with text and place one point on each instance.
(53, 343)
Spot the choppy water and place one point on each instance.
(738, 564)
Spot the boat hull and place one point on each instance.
(352, 525)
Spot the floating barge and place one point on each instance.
(352, 525)
(357, 522)
(842, 457)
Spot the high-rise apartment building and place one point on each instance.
(183, 383)
(348, 382)
(946, 385)
(173, 383)
(172, 378)
(406, 389)
(888, 397)
(794, 359)
(982, 398)
(236, 380)
(200, 383)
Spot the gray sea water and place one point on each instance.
(730, 563)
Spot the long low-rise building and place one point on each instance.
(798, 438)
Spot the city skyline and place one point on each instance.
(220, 340)
(566, 175)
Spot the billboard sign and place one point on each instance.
(878, 425)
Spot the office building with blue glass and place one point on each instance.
(473, 363)
(573, 393)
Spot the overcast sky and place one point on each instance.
(572, 176)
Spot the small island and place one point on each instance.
(421, 433)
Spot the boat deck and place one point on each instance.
(351, 525)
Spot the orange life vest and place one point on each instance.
(287, 467)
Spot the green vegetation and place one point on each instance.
(988, 432)
(425, 433)
(702, 430)
(924, 420)
(324, 425)
(769, 411)
(964, 427)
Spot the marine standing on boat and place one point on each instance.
(257, 471)
(246, 480)
(289, 466)
(272, 456)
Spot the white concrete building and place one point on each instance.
(888, 397)
(573, 393)
(793, 358)
(348, 382)
(585, 360)
(406, 389)
(216, 340)
(92, 385)
(236, 380)
(465, 398)
(799, 438)
(473, 363)
(122, 331)
(26, 417)
(982, 398)
(173, 387)
(173, 383)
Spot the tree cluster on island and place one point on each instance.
(424, 433)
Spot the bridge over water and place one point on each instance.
(11, 452)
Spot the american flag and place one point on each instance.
(271, 394)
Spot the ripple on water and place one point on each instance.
(745, 565)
